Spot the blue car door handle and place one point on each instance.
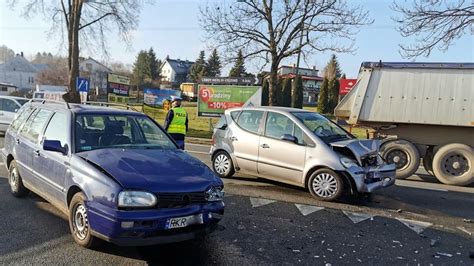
(17, 141)
(37, 153)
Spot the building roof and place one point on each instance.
(19, 64)
(179, 66)
(304, 77)
(7, 84)
(41, 67)
(301, 68)
(95, 61)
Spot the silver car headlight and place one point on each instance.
(348, 163)
(130, 198)
(215, 194)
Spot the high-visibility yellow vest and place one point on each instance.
(178, 124)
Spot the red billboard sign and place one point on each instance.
(345, 85)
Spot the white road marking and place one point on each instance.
(308, 209)
(419, 186)
(462, 228)
(357, 217)
(2, 163)
(258, 202)
(417, 226)
(199, 152)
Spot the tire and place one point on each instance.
(325, 184)
(403, 154)
(428, 161)
(15, 181)
(222, 164)
(453, 164)
(79, 223)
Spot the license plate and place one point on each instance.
(180, 222)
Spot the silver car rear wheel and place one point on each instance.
(222, 164)
(325, 184)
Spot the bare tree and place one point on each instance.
(56, 73)
(85, 22)
(435, 23)
(275, 30)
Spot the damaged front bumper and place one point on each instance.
(371, 178)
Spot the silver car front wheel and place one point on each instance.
(222, 164)
(325, 184)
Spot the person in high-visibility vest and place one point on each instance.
(176, 122)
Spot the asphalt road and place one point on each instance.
(271, 223)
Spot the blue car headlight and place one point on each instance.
(129, 198)
(215, 193)
(348, 163)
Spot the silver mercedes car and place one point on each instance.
(298, 147)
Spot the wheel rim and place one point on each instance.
(398, 157)
(455, 164)
(80, 222)
(325, 185)
(222, 164)
(13, 179)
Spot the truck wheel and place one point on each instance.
(428, 161)
(453, 164)
(403, 154)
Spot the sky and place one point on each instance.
(172, 28)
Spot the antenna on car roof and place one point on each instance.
(43, 101)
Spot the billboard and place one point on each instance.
(345, 85)
(159, 97)
(118, 84)
(215, 99)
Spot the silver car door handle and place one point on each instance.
(265, 146)
(233, 139)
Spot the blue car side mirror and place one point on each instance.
(54, 145)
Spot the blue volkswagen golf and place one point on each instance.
(116, 174)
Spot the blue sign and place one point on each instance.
(82, 84)
(157, 97)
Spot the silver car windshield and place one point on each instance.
(99, 131)
(322, 127)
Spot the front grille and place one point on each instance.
(177, 200)
(370, 160)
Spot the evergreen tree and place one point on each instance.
(285, 93)
(265, 92)
(198, 69)
(140, 68)
(152, 65)
(333, 95)
(323, 96)
(332, 73)
(238, 70)
(214, 65)
(298, 102)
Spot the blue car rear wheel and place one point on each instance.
(16, 182)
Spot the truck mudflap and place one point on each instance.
(372, 178)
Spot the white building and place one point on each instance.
(19, 72)
(175, 71)
(96, 73)
(311, 81)
(7, 88)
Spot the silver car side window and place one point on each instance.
(278, 125)
(250, 120)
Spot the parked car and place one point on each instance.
(9, 105)
(116, 174)
(300, 148)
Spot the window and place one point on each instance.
(4, 89)
(234, 115)
(250, 120)
(23, 114)
(58, 129)
(35, 124)
(278, 125)
(8, 105)
(221, 123)
(99, 131)
(322, 127)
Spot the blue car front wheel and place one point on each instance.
(79, 222)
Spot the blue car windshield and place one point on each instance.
(322, 127)
(100, 131)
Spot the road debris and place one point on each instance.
(397, 242)
(468, 221)
(462, 228)
(400, 258)
(399, 210)
(296, 251)
(433, 242)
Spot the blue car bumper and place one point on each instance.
(150, 226)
